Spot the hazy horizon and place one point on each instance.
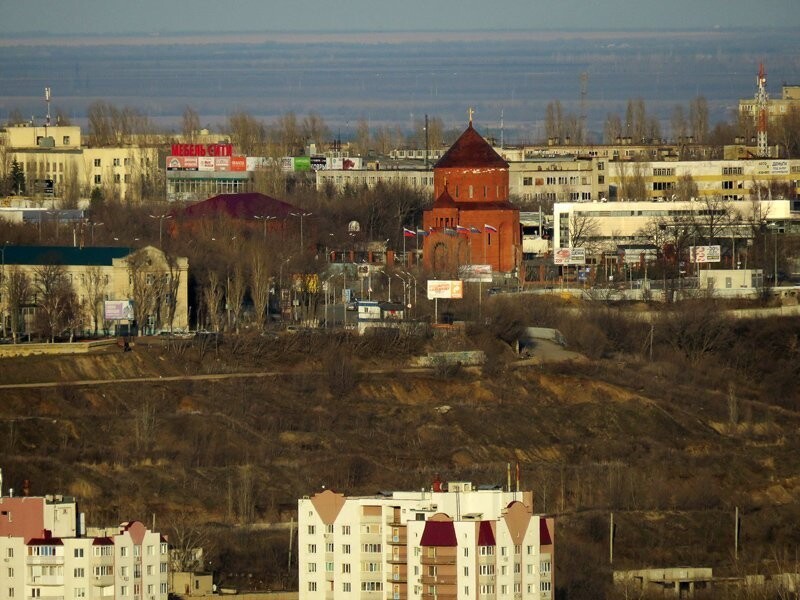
(153, 16)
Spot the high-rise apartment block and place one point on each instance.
(450, 541)
(45, 554)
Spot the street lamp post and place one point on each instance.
(301, 216)
(92, 225)
(264, 219)
(160, 218)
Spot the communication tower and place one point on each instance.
(762, 100)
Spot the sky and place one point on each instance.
(193, 16)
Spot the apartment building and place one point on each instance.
(776, 107)
(451, 541)
(45, 553)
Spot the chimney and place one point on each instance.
(437, 484)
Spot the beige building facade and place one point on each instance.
(147, 277)
(452, 541)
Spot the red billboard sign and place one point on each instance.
(202, 149)
(238, 163)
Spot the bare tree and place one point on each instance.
(612, 129)
(632, 182)
(173, 284)
(698, 119)
(57, 302)
(315, 129)
(362, 137)
(259, 285)
(17, 289)
(189, 541)
(287, 134)
(94, 286)
(234, 294)
(247, 133)
(212, 297)
(190, 124)
(583, 231)
(146, 287)
(678, 123)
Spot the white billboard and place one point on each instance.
(569, 256)
(704, 254)
(475, 273)
(445, 289)
(116, 310)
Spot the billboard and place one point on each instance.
(239, 163)
(445, 289)
(475, 273)
(202, 149)
(569, 256)
(704, 254)
(181, 163)
(115, 310)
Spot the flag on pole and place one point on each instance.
(449, 231)
(408, 232)
(474, 230)
(461, 229)
(488, 227)
(422, 232)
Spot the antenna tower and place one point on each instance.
(762, 100)
(584, 94)
(47, 101)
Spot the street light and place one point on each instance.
(301, 215)
(775, 228)
(160, 224)
(92, 224)
(264, 218)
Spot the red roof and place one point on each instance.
(439, 533)
(240, 206)
(471, 150)
(485, 534)
(544, 533)
(103, 541)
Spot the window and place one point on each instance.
(345, 548)
(65, 140)
(124, 571)
(503, 590)
(311, 530)
(544, 586)
(10, 572)
(79, 593)
(312, 567)
(527, 181)
(312, 548)
(551, 180)
(346, 586)
(150, 569)
(371, 586)
(150, 550)
(486, 570)
(97, 180)
(164, 588)
(600, 165)
(10, 552)
(601, 179)
(466, 551)
(345, 567)
(78, 572)
(372, 548)
(123, 590)
(329, 528)
(544, 567)
(312, 586)
(466, 571)
(96, 162)
(663, 172)
(10, 592)
(329, 547)
(345, 529)
(487, 588)
(517, 567)
(530, 569)
(78, 553)
(116, 162)
(731, 170)
(727, 185)
(117, 178)
(127, 162)
(486, 550)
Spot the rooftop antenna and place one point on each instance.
(502, 131)
(584, 94)
(47, 101)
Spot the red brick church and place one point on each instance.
(471, 221)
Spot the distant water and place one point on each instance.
(395, 79)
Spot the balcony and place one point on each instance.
(47, 580)
(396, 559)
(102, 580)
(44, 560)
(438, 560)
(396, 577)
(400, 539)
(439, 580)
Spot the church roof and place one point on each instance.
(470, 150)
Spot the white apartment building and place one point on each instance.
(452, 541)
(62, 563)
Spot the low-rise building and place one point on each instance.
(450, 541)
(155, 282)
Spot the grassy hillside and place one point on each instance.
(671, 445)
